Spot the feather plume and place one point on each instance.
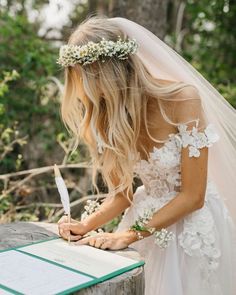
(62, 189)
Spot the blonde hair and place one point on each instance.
(115, 106)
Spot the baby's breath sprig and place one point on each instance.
(162, 237)
(90, 207)
(70, 54)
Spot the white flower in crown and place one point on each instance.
(70, 55)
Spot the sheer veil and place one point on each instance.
(165, 63)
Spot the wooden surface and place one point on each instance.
(21, 233)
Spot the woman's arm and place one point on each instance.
(191, 196)
(193, 169)
(109, 209)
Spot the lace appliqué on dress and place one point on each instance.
(161, 176)
(197, 140)
(198, 237)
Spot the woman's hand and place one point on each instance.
(112, 241)
(75, 229)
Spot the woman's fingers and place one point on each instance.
(63, 219)
(64, 226)
(106, 245)
(92, 242)
(64, 231)
(75, 237)
(85, 241)
(69, 227)
(101, 240)
(98, 241)
(65, 235)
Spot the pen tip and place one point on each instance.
(56, 171)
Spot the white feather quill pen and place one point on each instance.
(62, 189)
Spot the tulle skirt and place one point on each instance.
(201, 260)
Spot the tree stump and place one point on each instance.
(21, 233)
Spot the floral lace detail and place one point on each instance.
(198, 237)
(161, 177)
(197, 140)
(142, 205)
(161, 173)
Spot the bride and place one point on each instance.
(143, 111)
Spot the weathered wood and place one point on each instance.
(150, 14)
(21, 233)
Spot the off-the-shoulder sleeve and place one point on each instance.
(195, 139)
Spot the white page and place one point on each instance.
(87, 259)
(32, 276)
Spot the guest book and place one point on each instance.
(55, 267)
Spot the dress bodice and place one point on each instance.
(161, 173)
(161, 177)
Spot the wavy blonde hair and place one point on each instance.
(114, 107)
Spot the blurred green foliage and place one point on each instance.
(9, 136)
(209, 42)
(34, 59)
(9, 133)
(23, 101)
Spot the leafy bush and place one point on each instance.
(30, 100)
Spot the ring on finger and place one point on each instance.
(92, 242)
(104, 245)
(103, 240)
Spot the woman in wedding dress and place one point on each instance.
(144, 112)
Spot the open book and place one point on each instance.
(54, 267)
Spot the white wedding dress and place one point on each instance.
(201, 259)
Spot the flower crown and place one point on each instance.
(70, 55)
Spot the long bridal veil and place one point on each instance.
(165, 63)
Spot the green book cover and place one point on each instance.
(54, 267)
